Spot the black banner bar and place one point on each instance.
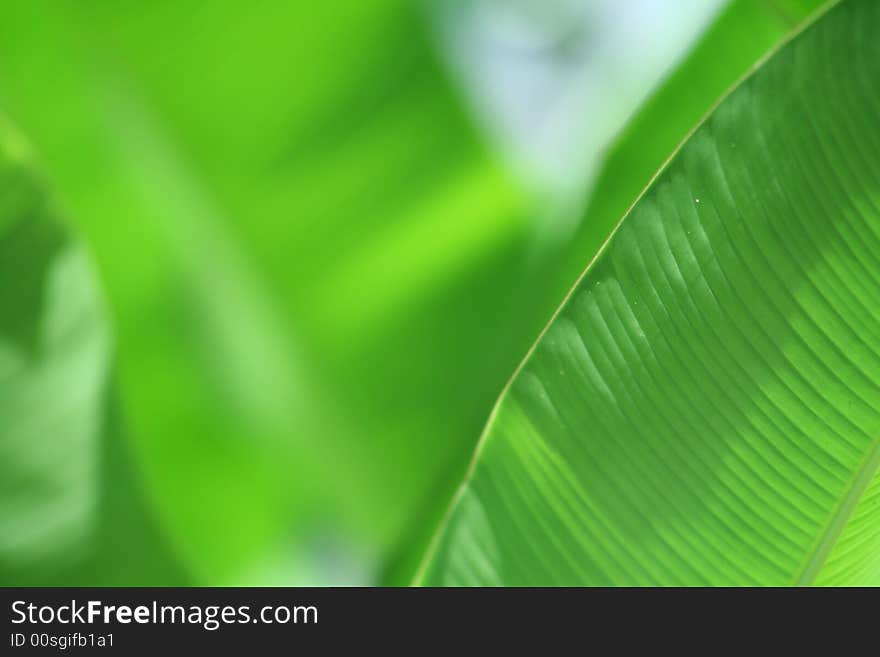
(284, 620)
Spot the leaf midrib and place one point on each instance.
(840, 516)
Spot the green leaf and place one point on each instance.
(70, 510)
(287, 238)
(703, 408)
(739, 36)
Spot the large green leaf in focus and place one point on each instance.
(70, 510)
(743, 32)
(705, 406)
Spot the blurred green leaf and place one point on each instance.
(68, 499)
(306, 249)
(703, 407)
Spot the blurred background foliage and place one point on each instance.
(322, 235)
